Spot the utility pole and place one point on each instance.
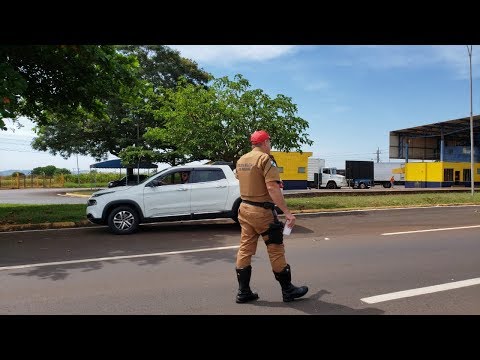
(472, 173)
(78, 172)
(378, 155)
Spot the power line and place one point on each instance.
(30, 151)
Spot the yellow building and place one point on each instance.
(293, 168)
(444, 149)
(439, 174)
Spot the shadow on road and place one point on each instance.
(153, 238)
(312, 305)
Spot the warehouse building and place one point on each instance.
(438, 155)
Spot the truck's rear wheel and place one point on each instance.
(387, 185)
(362, 186)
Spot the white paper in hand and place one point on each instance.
(287, 229)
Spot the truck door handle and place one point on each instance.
(221, 186)
(182, 189)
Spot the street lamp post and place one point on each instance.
(472, 174)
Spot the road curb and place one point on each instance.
(43, 226)
(77, 195)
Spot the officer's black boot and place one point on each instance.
(289, 291)
(244, 293)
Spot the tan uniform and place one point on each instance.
(254, 170)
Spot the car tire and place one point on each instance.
(123, 220)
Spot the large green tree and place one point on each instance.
(48, 170)
(129, 112)
(215, 123)
(37, 81)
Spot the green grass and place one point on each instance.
(375, 201)
(34, 214)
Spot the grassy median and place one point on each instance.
(381, 201)
(11, 214)
(33, 214)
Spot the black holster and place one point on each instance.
(275, 229)
(275, 233)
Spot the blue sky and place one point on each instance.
(352, 96)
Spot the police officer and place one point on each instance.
(260, 192)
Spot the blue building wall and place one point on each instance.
(460, 153)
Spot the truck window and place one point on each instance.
(326, 171)
(301, 170)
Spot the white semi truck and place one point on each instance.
(320, 176)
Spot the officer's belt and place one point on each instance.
(265, 205)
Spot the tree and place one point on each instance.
(41, 80)
(48, 170)
(17, 173)
(162, 66)
(129, 113)
(63, 171)
(215, 123)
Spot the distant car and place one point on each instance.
(132, 180)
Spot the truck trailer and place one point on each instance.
(383, 173)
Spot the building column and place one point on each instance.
(406, 151)
(442, 146)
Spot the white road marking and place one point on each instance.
(14, 267)
(420, 291)
(429, 230)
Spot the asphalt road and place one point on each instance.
(188, 267)
(39, 196)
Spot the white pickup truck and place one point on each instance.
(212, 191)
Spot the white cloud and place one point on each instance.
(383, 57)
(388, 56)
(225, 55)
(25, 130)
(316, 86)
(456, 57)
(340, 108)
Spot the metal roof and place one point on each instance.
(116, 164)
(460, 128)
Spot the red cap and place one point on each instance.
(259, 136)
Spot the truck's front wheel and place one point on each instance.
(331, 185)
